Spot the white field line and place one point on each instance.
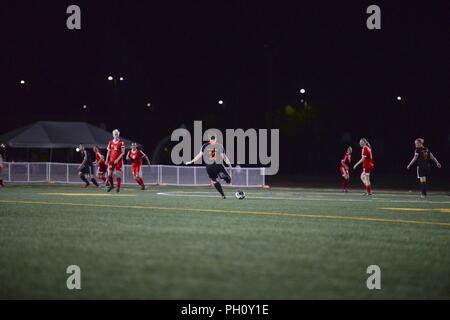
(318, 194)
(205, 194)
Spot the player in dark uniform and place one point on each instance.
(86, 168)
(422, 157)
(214, 155)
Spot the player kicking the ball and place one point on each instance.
(86, 168)
(367, 164)
(214, 155)
(345, 167)
(102, 168)
(114, 159)
(135, 156)
(422, 156)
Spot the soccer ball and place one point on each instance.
(240, 194)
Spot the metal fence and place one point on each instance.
(154, 174)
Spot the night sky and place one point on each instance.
(184, 56)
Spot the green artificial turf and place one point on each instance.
(187, 243)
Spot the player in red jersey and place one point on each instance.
(367, 164)
(114, 159)
(345, 167)
(102, 168)
(135, 156)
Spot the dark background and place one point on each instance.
(183, 56)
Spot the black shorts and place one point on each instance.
(87, 170)
(217, 170)
(423, 171)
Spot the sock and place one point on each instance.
(102, 178)
(424, 188)
(94, 182)
(369, 188)
(111, 181)
(345, 183)
(84, 179)
(119, 182)
(141, 181)
(218, 187)
(1, 182)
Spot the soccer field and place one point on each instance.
(187, 243)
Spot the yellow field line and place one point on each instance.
(442, 210)
(86, 194)
(312, 216)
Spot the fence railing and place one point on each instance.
(154, 174)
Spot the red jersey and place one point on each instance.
(368, 160)
(347, 159)
(115, 149)
(136, 156)
(100, 160)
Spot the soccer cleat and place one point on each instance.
(86, 185)
(142, 187)
(109, 188)
(223, 197)
(117, 190)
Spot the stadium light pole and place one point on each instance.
(25, 84)
(114, 80)
(302, 91)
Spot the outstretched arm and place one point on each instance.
(435, 160)
(197, 157)
(146, 158)
(226, 159)
(359, 162)
(412, 161)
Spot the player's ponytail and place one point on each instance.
(364, 140)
